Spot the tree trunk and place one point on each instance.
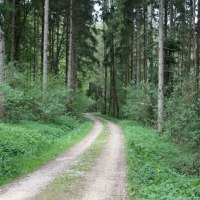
(2, 51)
(138, 48)
(194, 42)
(67, 49)
(36, 46)
(105, 68)
(198, 47)
(70, 76)
(12, 46)
(161, 70)
(45, 44)
(149, 47)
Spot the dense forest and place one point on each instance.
(132, 60)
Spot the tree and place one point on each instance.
(45, 45)
(1, 54)
(70, 74)
(161, 70)
(12, 46)
(138, 47)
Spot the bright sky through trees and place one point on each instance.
(98, 11)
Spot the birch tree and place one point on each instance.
(161, 70)
(45, 44)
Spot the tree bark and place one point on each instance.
(2, 51)
(161, 70)
(149, 47)
(36, 46)
(45, 44)
(138, 48)
(12, 46)
(194, 42)
(70, 76)
(198, 47)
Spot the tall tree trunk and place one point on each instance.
(56, 67)
(2, 51)
(198, 47)
(36, 46)
(45, 45)
(161, 71)
(70, 76)
(138, 48)
(194, 42)
(149, 43)
(42, 37)
(12, 46)
(66, 48)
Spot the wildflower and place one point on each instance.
(158, 170)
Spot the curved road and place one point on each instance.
(105, 181)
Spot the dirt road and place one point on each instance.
(106, 180)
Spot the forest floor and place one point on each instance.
(93, 169)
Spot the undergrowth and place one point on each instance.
(157, 167)
(27, 145)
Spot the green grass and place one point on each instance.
(157, 167)
(70, 184)
(27, 145)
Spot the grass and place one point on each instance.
(157, 166)
(27, 145)
(70, 184)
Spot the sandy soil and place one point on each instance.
(106, 181)
(32, 184)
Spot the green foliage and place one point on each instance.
(181, 114)
(155, 166)
(30, 103)
(27, 145)
(80, 103)
(141, 103)
(13, 103)
(25, 100)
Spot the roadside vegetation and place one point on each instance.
(27, 145)
(159, 168)
(35, 126)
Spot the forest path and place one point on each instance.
(32, 184)
(107, 179)
(104, 181)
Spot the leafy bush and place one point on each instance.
(181, 115)
(26, 100)
(79, 104)
(33, 104)
(13, 103)
(141, 103)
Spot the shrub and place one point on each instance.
(141, 103)
(13, 103)
(181, 115)
(79, 104)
